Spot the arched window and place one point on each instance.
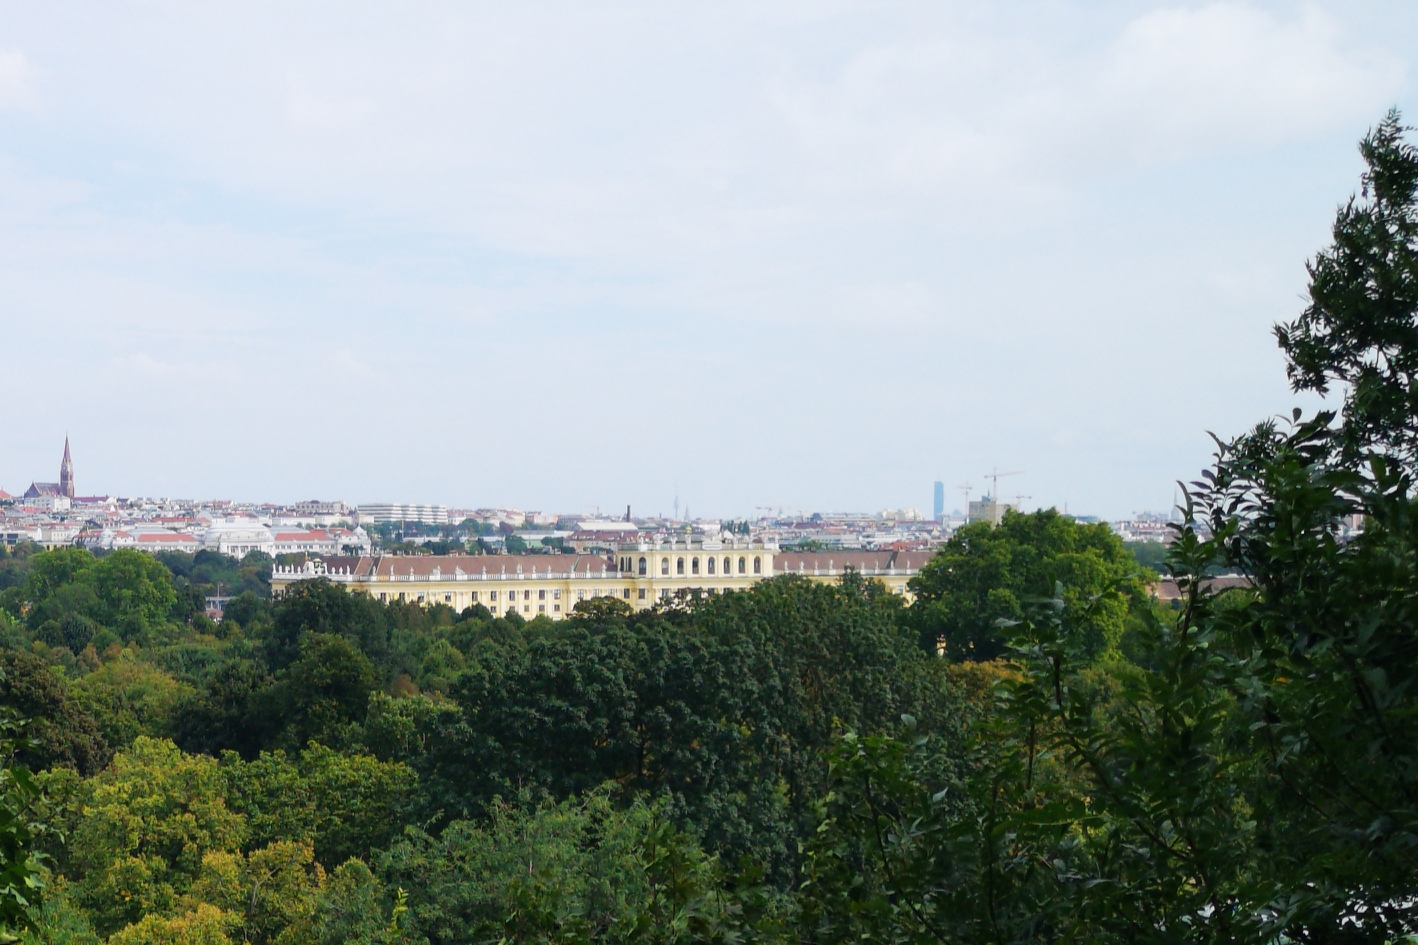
(664, 566)
(728, 566)
(710, 563)
(642, 567)
(757, 564)
(743, 564)
(679, 566)
(693, 565)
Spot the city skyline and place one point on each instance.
(939, 506)
(812, 256)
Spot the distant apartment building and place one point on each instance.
(50, 502)
(237, 538)
(378, 513)
(583, 541)
(321, 541)
(151, 540)
(13, 535)
(59, 534)
(1155, 529)
(499, 517)
(989, 509)
(314, 513)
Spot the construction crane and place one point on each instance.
(965, 491)
(1017, 499)
(995, 476)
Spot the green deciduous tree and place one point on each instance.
(1359, 329)
(147, 823)
(321, 608)
(323, 695)
(354, 908)
(67, 616)
(50, 571)
(204, 924)
(60, 920)
(127, 591)
(345, 805)
(135, 591)
(58, 731)
(22, 869)
(128, 697)
(222, 715)
(271, 893)
(578, 871)
(986, 574)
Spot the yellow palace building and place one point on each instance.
(639, 573)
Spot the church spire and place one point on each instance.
(66, 472)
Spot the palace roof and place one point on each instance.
(421, 566)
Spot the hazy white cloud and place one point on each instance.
(621, 131)
(1015, 120)
(1182, 81)
(172, 374)
(17, 79)
(312, 111)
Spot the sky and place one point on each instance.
(746, 255)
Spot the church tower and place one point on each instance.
(66, 472)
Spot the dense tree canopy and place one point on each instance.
(296, 746)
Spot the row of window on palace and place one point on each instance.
(511, 597)
(711, 565)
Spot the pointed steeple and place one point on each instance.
(66, 471)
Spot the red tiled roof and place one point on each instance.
(154, 537)
(358, 566)
(867, 562)
(311, 535)
(808, 561)
(423, 565)
(913, 560)
(1167, 589)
